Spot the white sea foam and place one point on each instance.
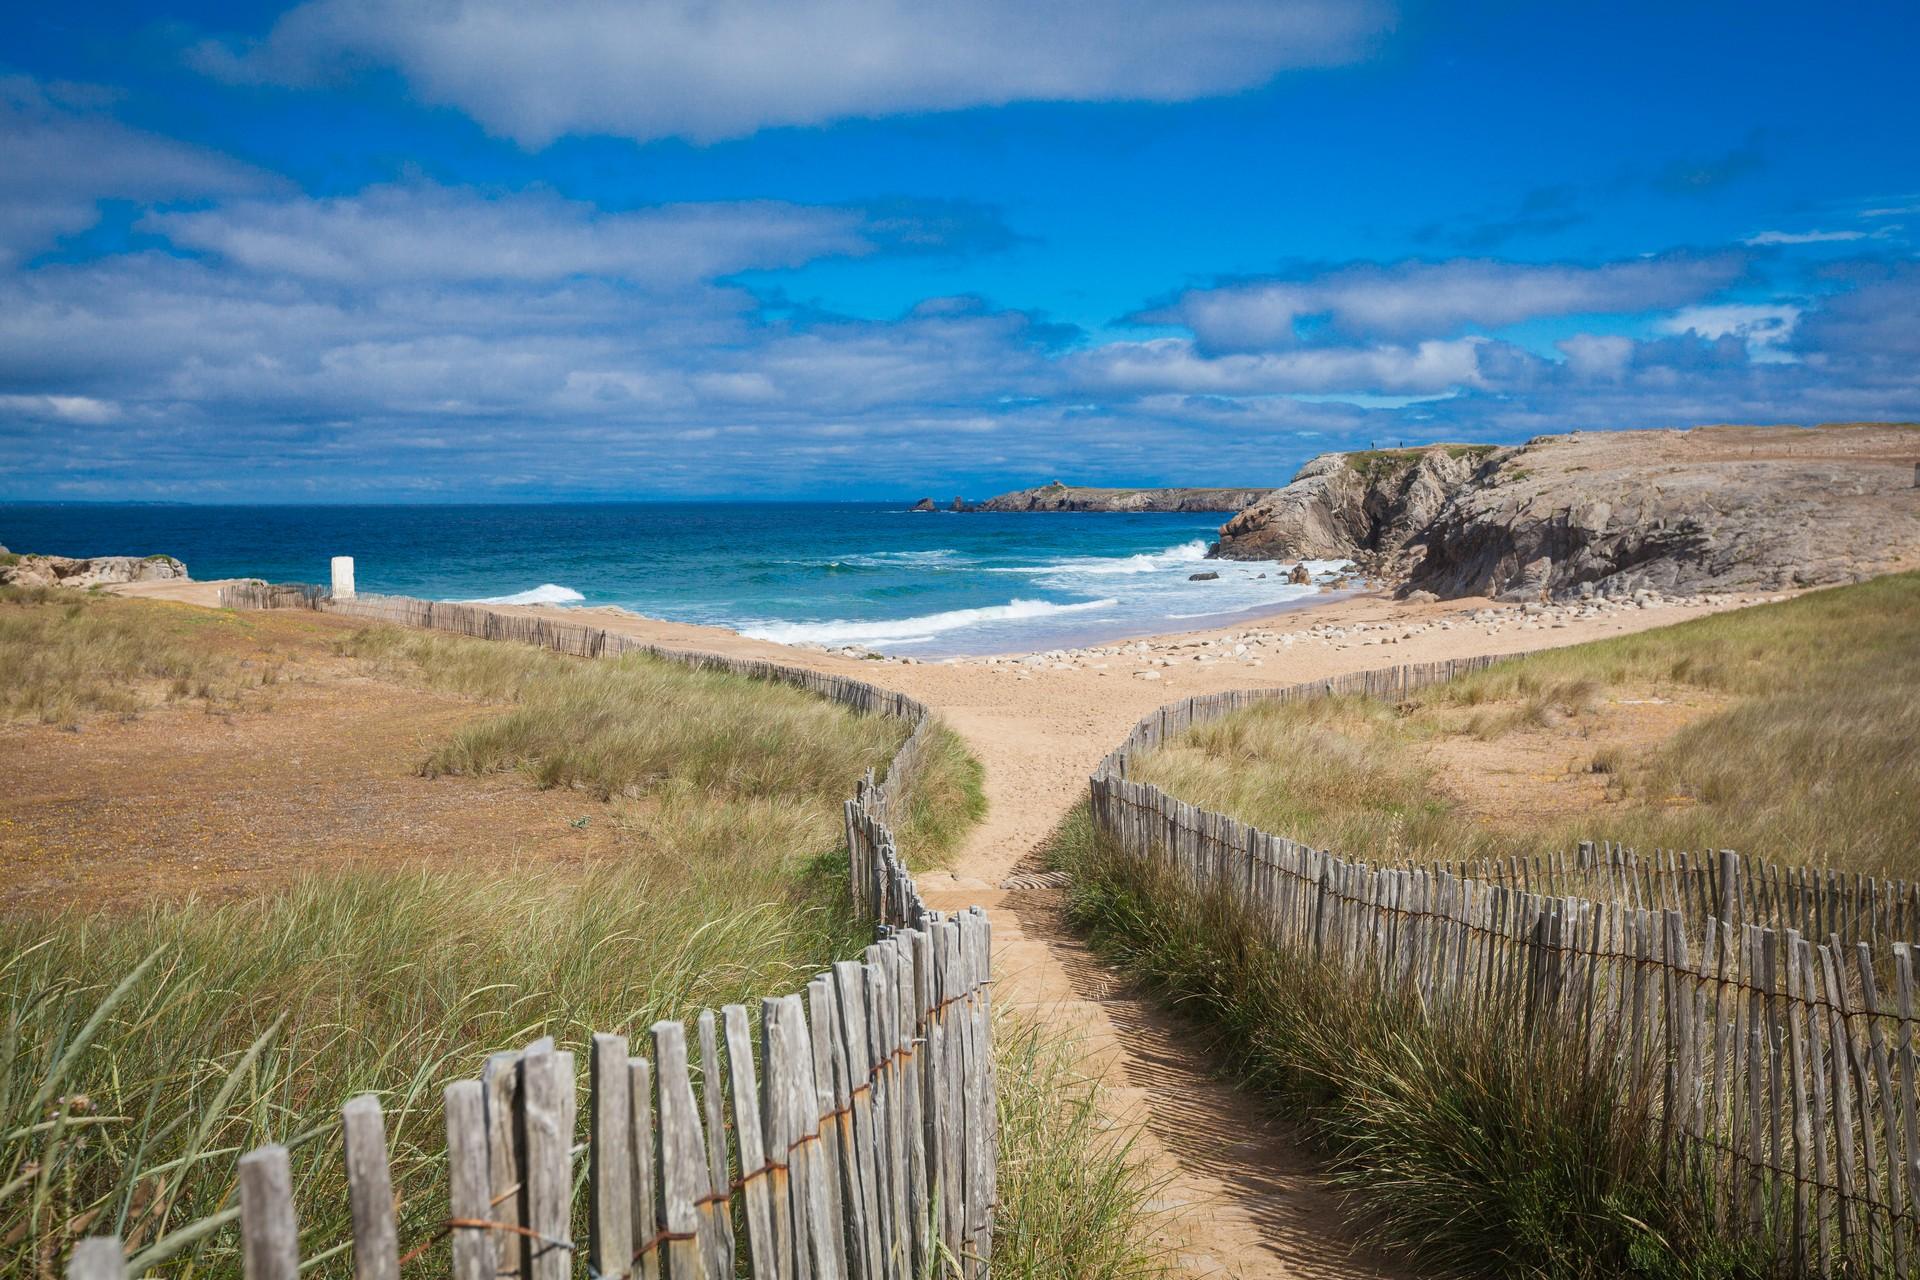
(1132, 594)
(545, 593)
(920, 630)
(1109, 566)
(899, 559)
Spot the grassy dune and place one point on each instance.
(140, 1053)
(1812, 754)
(68, 654)
(634, 726)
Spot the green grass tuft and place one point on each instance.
(1074, 1200)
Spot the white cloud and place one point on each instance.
(713, 69)
(60, 155)
(79, 410)
(1426, 299)
(1803, 237)
(1759, 325)
(1603, 356)
(435, 233)
(1174, 364)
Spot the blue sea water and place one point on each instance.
(868, 574)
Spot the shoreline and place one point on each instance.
(1266, 634)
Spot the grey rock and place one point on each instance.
(1065, 497)
(1209, 576)
(65, 571)
(1605, 514)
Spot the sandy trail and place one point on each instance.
(1240, 1196)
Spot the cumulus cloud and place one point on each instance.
(1764, 327)
(1433, 299)
(1603, 356)
(63, 153)
(713, 69)
(1867, 329)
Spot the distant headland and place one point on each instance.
(1059, 496)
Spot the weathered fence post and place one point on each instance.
(467, 1195)
(376, 1237)
(269, 1233)
(98, 1258)
(610, 1160)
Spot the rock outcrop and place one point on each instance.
(65, 571)
(925, 504)
(1069, 497)
(1711, 509)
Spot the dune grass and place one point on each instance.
(638, 726)
(67, 654)
(139, 1054)
(621, 726)
(1074, 1201)
(1462, 1144)
(1813, 756)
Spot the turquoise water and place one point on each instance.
(867, 574)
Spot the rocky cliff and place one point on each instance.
(1069, 497)
(65, 571)
(1711, 509)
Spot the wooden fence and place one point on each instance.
(1775, 1067)
(853, 1133)
(1818, 901)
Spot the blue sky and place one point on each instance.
(349, 251)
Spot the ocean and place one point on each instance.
(866, 574)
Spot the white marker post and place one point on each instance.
(343, 577)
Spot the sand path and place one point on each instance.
(1241, 1197)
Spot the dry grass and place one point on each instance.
(1813, 756)
(623, 726)
(140, 1053)
(66, 654)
